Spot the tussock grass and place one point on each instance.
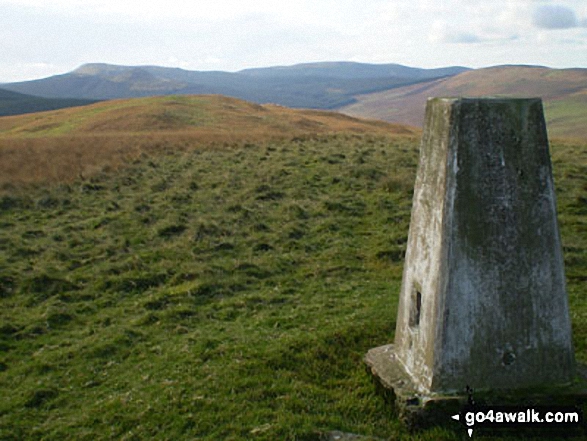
(224, 293)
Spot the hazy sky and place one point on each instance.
(40, 38)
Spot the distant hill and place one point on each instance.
(62, 145)
(564, 92)
(350, 70)
(13, 103)
(313, 85)
(199, 114)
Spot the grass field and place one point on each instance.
(566, 117)
(221, 292)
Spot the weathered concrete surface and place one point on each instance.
(483, 301)
(418, 410)
(398, 389)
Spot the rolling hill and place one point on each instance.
(13, 103)
(66, 144)
(564, 92)
(188, 114)
(313, 85)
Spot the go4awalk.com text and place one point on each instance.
(497, 417)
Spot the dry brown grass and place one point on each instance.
(63, 159)
(563, 91)
(68, 144)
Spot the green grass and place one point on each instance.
(221, 294)
(179, 111)
(566, 117)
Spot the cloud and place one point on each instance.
(462, 37)
(440, 32)
(152, 9)
(555, 17)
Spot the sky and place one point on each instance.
(40, 38)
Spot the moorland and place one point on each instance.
(200, 267)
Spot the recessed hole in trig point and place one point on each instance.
(508, 358)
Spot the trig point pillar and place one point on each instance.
(483, 302)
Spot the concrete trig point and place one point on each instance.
(483, 302)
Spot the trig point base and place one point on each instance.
(483, 303)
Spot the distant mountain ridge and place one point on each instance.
(326, 85)
(347, 69)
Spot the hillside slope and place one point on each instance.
(564, 92)
(14, 103)
(66, 144)
(196, 114)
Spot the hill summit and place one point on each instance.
(65, 144)
(189, 114)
